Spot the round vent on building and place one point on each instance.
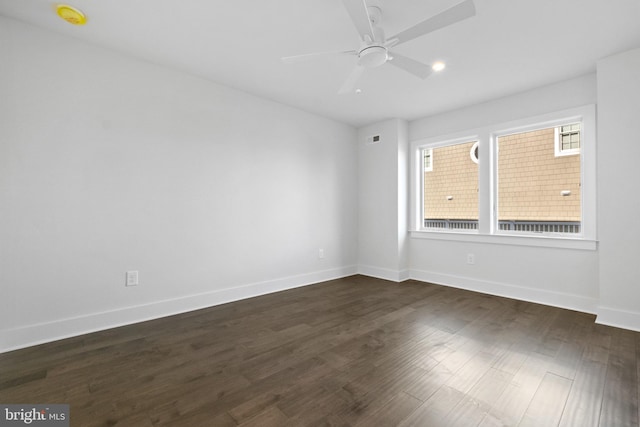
(474, 152)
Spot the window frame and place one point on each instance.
(486, 136)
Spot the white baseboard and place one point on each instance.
(384, 273)
(619, 318)
(555, 299)
(27, 336)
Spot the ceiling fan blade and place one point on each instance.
(457, 13)
(350, 84)
(308, 56)
(410, 65)
(360, 16)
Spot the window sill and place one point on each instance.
(502, 239)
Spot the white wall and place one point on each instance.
(602, 281)
(382, 201)
(556, 97)
(110, 164)
(618, 180)
(561, 277)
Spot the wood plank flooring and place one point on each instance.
(351, 352)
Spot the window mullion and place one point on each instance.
(485, 202)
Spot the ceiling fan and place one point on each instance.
(374, 47)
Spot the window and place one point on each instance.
(521, 192)
(450, 197)
(538, 192)
(427, 159)
(567, 139)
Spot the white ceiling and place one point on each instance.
(508, 47)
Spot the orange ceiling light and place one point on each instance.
(71, 14)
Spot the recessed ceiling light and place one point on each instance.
(358, 91)
(438, 66)
(71, 14)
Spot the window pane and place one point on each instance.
(451, 189)
(575, 140)
(538, 191)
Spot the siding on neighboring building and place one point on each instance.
(531, 179)
(454, 174)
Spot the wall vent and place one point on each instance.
(373, 139)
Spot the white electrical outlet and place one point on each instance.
(471, 259)
(320, 253)
(131, 278)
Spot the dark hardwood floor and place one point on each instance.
(351, 352)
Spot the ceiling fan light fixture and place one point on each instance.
(372, 56)
(438, 66)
